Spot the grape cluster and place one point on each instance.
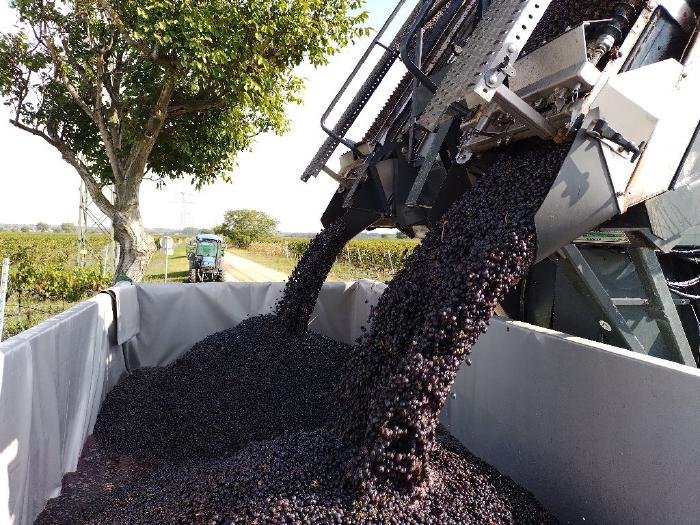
(298, 300)
(424, 325)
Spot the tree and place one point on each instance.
(67, 227)
(401, 235)
(164, 89)
(42, 227)
(242, 227)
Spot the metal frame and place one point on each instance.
(584, 279)
(516, 106)
(428, 163)
(349, 116)
(492, 49)
(352, 76)
(661, 304)
(413, 67)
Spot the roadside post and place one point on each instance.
(4, 278)
(166, 248)
(105, 261)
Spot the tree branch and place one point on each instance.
(193, 106)
(58, 63)
(152, 54)
(71, 158)
(99, 119)
(113, 85)
(96, 113)
(23, 95)
(141, 148)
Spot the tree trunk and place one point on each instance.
(136, 246)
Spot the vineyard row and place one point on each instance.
(367, 254)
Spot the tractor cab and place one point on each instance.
(205, 253)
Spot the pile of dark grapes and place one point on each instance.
(245, 384)
(433, 311)
(298, 300)
(294, 479)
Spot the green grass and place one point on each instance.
(178, 266)
(340, 271)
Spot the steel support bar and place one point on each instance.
(490, 51)
(661, 304)
(638, 301)
(517, 107)
(587, 283)
(414, 67)
(332, 174)
(359, 179)
(336, 135)
(430, 159)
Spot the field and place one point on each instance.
(377, 259)
(45, 278)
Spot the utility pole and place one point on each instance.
(90, 217)
(184, 201)
(82, 225)
(4, 279)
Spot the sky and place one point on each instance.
(37, 185)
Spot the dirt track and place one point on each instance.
(239, 269)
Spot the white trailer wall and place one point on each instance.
(598, 434)
(594, 432)
(53, 379)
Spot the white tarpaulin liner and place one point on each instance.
(53, 379)
(592, 431)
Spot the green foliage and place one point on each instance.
(50, 282)
(401, 235)
(42, 266)
(172, 88)
(42, 227)
(242, 227)
(230, 65)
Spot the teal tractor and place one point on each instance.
(205, 253)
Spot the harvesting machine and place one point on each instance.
(618, 243)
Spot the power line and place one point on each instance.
(184, 201)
